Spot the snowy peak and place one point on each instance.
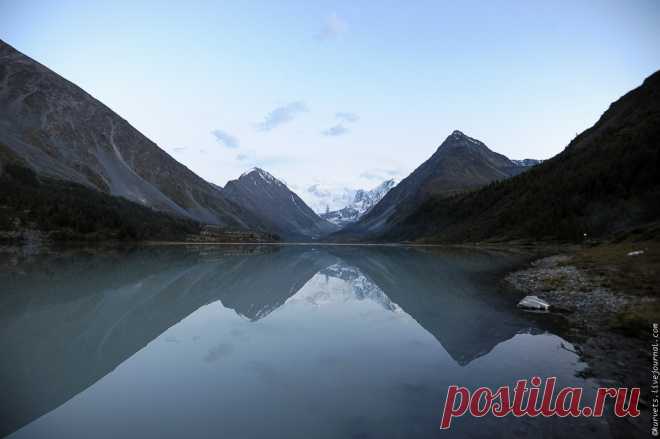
(458, 139)
(366, 199)
(259, 174)
(325, 197)
(526, 162)
(363, 201)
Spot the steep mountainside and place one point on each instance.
(362, 203)
(58, 130)
(606, 181)
(267, 197)
(460, 163)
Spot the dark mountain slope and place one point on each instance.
(70, 211)
(285, 212)
(459, 164)
(606, 180)
(60, 131)
(449, 284)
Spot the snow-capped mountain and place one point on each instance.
(360, 204)
(323, 197)
(282, 210)
(526, 162)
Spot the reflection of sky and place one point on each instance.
(332, 361)
(524, 77)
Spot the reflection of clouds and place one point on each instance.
(217, 352)
(238, 333)
(265, 372)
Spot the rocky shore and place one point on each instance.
(606, 306)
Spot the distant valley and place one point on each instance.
(72, 169)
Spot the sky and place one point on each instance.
(343, 93)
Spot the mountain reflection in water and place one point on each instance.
(290, 341)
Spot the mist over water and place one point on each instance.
(250, 342)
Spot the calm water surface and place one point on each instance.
(267, 342)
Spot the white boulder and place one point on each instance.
(534, 303)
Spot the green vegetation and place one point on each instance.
(69, 211)
(604, 182)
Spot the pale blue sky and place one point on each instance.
(223, 86)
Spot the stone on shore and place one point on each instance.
(534, 303)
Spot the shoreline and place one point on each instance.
(603, 319)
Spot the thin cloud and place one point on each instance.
(337, 130)
(333, 26)
(250, 158)
(226, 139)
(379, 174)
(281, 115)
(178, 150)
(347, 117)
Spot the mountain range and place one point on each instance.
(460, 163)
(604, 183)
(72, 167)
(59, 131)
(323, 197)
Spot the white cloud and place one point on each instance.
(347, 117)
(337, 130)
(379, 174)
(226, 139)
(281, 115)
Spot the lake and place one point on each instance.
(269, 342)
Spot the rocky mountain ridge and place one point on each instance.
(460, 163)
(363, 201)
(282, 210)
(55, 128)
